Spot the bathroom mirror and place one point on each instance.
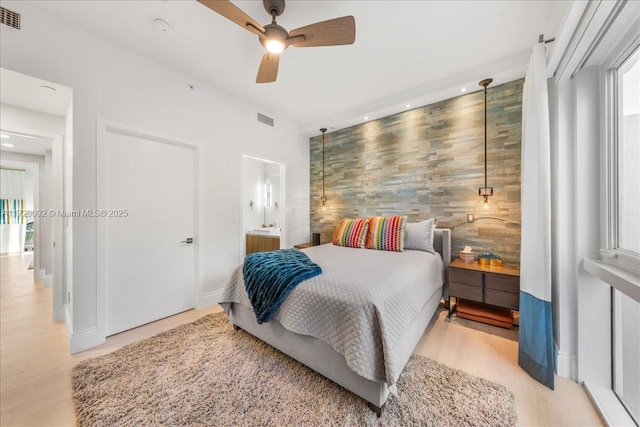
(262, 195)
(273, 199)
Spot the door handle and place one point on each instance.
(189, 240)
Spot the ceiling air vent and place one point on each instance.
(10, 18)
(265, 119)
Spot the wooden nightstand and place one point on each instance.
(303, 245)
(497, 286)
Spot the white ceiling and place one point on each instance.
(34, 94)
(24, 144)
(413, 52)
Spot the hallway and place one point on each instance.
(34, 360)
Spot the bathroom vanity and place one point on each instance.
(262, 241)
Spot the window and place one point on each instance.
(623, 210)
(623, 221)
(628, 79)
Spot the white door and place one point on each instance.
(149, 266)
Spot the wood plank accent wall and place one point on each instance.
(428, 162)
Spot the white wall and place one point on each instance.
(564, 263)
(112, 83)
(46, 225)
(582, 319)
(28, 121)
(29, 193)
(67, 288)
(594, 312)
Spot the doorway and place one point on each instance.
(263, 198)
(36, 117)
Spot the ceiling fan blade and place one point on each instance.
(268, 71)
(338, 31)
(235, 14)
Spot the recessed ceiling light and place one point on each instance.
(161, 24)
(366, 118)
(6, 144)
(408, 105)
(48, 87)
(464, 89)
(4, 136)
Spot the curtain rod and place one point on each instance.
(541, 39)
(4, 168)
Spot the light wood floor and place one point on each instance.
(35, 364)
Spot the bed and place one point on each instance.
(359, 321)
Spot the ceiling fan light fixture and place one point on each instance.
(274, 46)
(332, 32)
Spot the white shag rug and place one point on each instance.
(205, 373)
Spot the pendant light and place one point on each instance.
(486, 191)
(323, 199)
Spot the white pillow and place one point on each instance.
(419, 235)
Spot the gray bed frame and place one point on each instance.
(322, 358)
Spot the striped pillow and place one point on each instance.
(351, 233)
(386, 233)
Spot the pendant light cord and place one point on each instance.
(323, 130)
(485, 138)
(484, 83)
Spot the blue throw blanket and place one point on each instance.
(269, 277)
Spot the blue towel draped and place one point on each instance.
(269, 277)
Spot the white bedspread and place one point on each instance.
(360, 305)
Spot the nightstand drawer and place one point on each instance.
(465, 277)
(502, 299)
(460, 290)
(502, 282)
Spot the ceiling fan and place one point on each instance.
(275, 39)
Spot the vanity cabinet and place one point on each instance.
(265, 243)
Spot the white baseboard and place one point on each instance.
(210, 298)
(82, 340)
(566, 365)
(48, 280)
(68, 323)
(39, 274)
(85, 339)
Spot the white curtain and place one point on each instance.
(536, 350)
(12, 236)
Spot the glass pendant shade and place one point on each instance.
(486, 206)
